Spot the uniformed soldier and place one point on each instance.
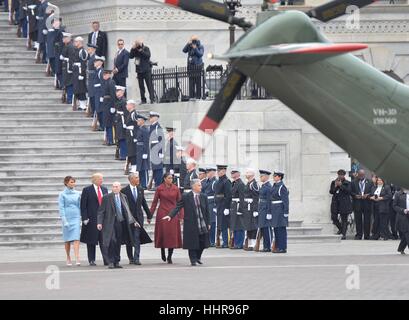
(203, 177)
(179, 168)
(157, 148)
(50, 45)
(58, 47)
(223, 198)
(251, 196)
(209, 190)
(80, 74)
(280, 210)
(170, 150)
(119, 122)
(91, 73)
(265, 219)
(32, 23)
(237, 210)
(130, 118)
(98, 91)
(191, 174)
(67, 57)
(141, 135)
(41, 31)
(108, 106)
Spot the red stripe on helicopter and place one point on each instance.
(339, 47)
(172, 2)
(208, 124)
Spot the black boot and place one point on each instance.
(169, 259)
(163, 255)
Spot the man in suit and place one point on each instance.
(136, 200)
(116, 223)
(401, 206)
(360, 191)
(91, 199)
(196, 224)
(121, 63)
(99, 39)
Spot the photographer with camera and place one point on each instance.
(195, 51)
(341, 204)
(142, 56)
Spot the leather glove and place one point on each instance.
(85, 222)
(145, 156)
(269, 217)
(80, 78)
(226, 212)
(255, 214)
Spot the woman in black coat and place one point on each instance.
(401, 207)
(381, 196)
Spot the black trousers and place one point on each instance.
(195, 255)
(134, 252)
(91, 251)
(384, 225)
(376, 222)
(120, 81)
(114, 247)
(341, 225)
(195, 81)
(146, 78)
(252, 234)
(362, 213)
(404, 241)
(392, 221)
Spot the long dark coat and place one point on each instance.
(109, 102)
(121, 113)
(208, 191)
(280, 211)
(264, 205)
(156, 141)
(136, 206)
(80, 70)
(223, 201)
(68, 53)
(251, 195)
(130, 136)
(99, 90)
(141, 136)
(170, 155)
(341, 198)
(402, 219)
(383, 206)
(190, 224)
(58, 47)
(237, 222)
(91, 74)
(41, 21)
(107, 216)
(32, 21)
(89, 210)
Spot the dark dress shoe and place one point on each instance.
(280, 251)
(118, 266)
(111, 266)
(402, 252)
(343, 238)
(170, 260)
(225, 246)
(137, 262)
(199, 262)
(92, 264)
(339, 233)
(358, 238)
(266, 250)
(131, 262)
(193, 264)
(249, 249)
(163, 255)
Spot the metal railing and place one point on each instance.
(184, 84)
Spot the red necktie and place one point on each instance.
(99, 196)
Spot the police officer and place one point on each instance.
(119, 122)
(98, 91)
(223, 201)
(156, 142)
(251, 196)
(237, 210)
(209, 191)
(141, 135)
(130, 118)
(67, 57)
(80, 74)
(91, 74)
(280, 210)
(265, 219)
(191, 174)
(108, 106)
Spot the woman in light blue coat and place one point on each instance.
(70, 212)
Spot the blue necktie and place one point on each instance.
(135, 195)
(119, 208)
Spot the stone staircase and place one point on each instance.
(41, 142)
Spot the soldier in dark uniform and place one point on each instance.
(341, 204)
(141, 135)
(22, 19)
(119, 122)
(170, 150)
(202, 177)
(208, 188)
(108, 106)
(237, 210)
(58, 46)
(80, 74)
(91, 73)
(156, 143)
(265, 218)
(67, 57)
(41, 31)
(191, 174)
(50, 47)
(130, 118)
(223, 202)
(280, 209)
(98, 91)
(179, 168)
(251, 195)
(32, 22)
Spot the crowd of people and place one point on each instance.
(215, 211)
(380, 210)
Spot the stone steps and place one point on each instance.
(80, 142)
(21, 69)
(36, 136)
(77, 119)
(53, 150)
(117, 175)
(64, 115)
(63, 127)
(30, 94)
(27, 83)
(58, 157)
(17, 61)
(40, 108)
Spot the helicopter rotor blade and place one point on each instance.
(335, 9)
(211, 9)
(216, 113)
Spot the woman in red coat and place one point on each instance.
(168, 235)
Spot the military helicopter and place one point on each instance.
(355, 105)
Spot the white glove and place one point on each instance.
(135, 141)
(161, 156)
(61, 57)
(112, 110)
(45, 32)
(85, 222)
(226, 212)
(172, 172)
(239, 213)
(37, 17)
(145, 156)
(80, 78)
(269, 217)
(215, 210)
(101, 99)
(255, 214)
(125, 126)
(65, 222)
